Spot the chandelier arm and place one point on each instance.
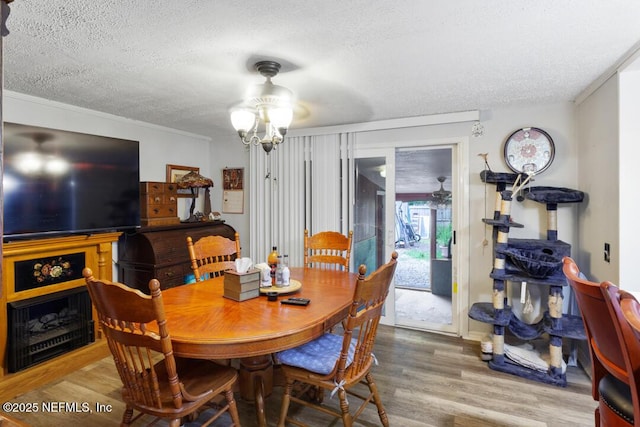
(253, 140)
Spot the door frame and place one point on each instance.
(460, 219)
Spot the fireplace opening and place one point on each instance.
(43, 327)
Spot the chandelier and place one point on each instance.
(266, 103)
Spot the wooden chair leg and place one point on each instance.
(347, 419)
(286, 399)
(376, 398)
(127, 417)
(233, 407)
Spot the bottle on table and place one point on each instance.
(279, 282)
(286, 274)
(272, 260)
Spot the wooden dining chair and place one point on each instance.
(212, 255)
(338, 363)
(327, 249)
(155, 382)
(627, 310)
(608, 366)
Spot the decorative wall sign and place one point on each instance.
(233, 190)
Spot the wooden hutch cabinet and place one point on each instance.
(160, 252)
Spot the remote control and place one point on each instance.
(294, 302)
(299, 299)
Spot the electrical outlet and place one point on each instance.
(607, 253)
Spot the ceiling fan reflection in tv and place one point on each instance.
(57, 182)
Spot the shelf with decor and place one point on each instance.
(528, 262)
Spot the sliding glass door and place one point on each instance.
(424, 238)
(404, 202)
(373, 234)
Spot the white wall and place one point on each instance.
(228, 152)
(629, 193)
(597, 119)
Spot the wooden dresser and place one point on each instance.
(160, 252)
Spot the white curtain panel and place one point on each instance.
(304, 183)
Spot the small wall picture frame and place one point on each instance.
(175, 172)
(233, 179)
(233, 190)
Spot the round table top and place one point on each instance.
(204, 324)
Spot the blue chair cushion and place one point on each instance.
(191, 278)
(319, 356)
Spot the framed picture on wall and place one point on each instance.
(175, 172)
(233, 190)
(233, 179)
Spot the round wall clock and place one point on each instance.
(529, 150)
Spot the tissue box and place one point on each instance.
(241, 286)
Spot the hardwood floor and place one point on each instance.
(424, 380)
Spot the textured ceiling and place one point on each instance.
(182, 64)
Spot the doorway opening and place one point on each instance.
(404, 202)
(424, 235)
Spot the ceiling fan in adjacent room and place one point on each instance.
(441, 197)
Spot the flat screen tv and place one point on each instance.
(58, 182)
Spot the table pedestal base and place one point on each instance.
(256, 383)
(252, 369)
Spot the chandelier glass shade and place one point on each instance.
(266, 104)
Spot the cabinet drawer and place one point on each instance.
(149, 187)
(158, 199)
(172, 276)
(159, 211)
(156, 222)
(172, 251)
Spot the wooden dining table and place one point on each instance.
(204, 324)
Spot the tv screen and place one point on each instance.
(59, 182)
